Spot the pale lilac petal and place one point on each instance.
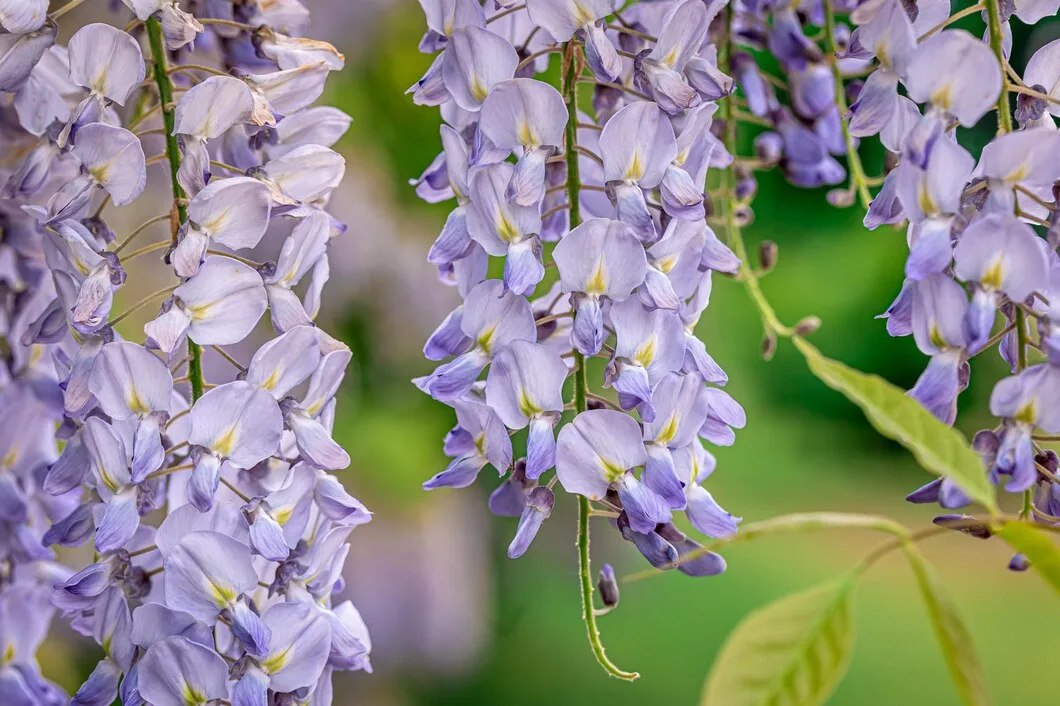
(595, 450)
(129, 381)
(223, 302)
(205, 573)
(107, 61)
(210, 108)
(114, 158)
(238, 421)
(176, 667)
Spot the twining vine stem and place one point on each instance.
(165, 98)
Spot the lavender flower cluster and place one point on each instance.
(612, 198)
(196, 593)
(982, 230)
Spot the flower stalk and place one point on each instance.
(164, 84)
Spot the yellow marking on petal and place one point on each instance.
(646, 353)
(485, 339)
(312, 409)
(666, 264)
(506, 230)
(669, 431)
(101, 172)
(199, 311)
(612, 470)
(9, 654)
(526, 406)
(136, 405)
(1027, 414)
(636, 167)
(526, 135)
(221, 595)
(937, 339)
(108, 479)
(275, 662)
(582, 15)
(227, 442)
(479, 91)
(682, 157)
(598, 282)
(480, 443)
(98, 86)
(8, 461)
(993, 276)
(924, 200)
(943, 96)
(670, 59)
(270, 382)
(1018, 174)
(214, 224)
(881, 51)
(190, 696)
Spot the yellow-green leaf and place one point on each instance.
(1032, 542)
(792, 652)
(958, 650)
(938, 448)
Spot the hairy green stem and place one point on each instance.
(857, 171)
(571, 69)
(160, 70)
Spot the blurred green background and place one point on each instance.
(455, 622)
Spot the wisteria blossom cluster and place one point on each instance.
(594, 207)
(216, 526)
(983, 229)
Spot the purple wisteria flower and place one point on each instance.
(217, 529)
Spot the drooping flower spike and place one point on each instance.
(619, 184)
(217, 528)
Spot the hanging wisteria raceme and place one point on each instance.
(579, 233)
(983, 229)
(217, 528)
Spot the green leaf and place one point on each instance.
(1031, 542)
(958, 650)
(937, 447)
(792, 652)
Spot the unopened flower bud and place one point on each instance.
(744, 215)
(840, 198)
(607, 584)
(769, 146)
(768, 251)
(1018, 562)
(971, 526)
(769, 345)
(807, 326)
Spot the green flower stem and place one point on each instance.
(1004, 125)
(997, 42)
(746, 273)
(571, 69)
(857, 171)
(160, 70)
